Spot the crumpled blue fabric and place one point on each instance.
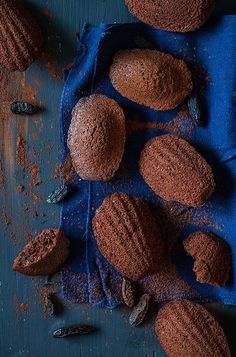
(210, 52)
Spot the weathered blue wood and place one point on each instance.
(23, 334)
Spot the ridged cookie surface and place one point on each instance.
(128, 235)
(176, 171)
(151, 78)
(20, 36)
(172, 15)
(187, 329)
(96, 137)
(44, 255)
(212, 257)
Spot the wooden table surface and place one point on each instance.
(24, 331)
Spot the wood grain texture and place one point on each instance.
(23, 329)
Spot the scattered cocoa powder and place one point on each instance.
(36, 197)
(56, 173)
(67, 169)
(28, 236)
(2, 180)
(35, 174)
(20, 188)
(20, 308)
(20, 150)
(182, 125)
(167, 282)
(51, 65)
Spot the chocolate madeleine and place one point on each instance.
(212, 257)
(128, 235)
(96, 137)
(151, 78)
(44, 255)
(176, 171)
(20, 36)
(172, 15)
(187, 329)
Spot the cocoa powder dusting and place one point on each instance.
(182, 125)
(2, 180)
(20, 188)
(20, 308)
(67, 169)
(20, 150)
(35, 174)
(56, 173)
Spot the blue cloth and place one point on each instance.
(210, 52)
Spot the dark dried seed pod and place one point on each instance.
(142, 42)
(140, 310)
(73, 331)
(58, 195)
(23, 108)
(195, 110)
(128, 293)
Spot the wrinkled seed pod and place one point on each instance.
(96, 137)
(172, 15)
(151, 78)
(187, 329)
(176, 171)
(128, 235)
(20, 36)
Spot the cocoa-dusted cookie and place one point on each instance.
(151, 78)
(176, 171)
(43, 255)
(96, 137)
(20, 36)
(128, 235)
(187, 329)
(172, 15)
(212, 257)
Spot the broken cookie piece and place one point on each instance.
(212, 257)
(44, 255)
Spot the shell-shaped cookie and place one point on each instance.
(20, 36)
(43, 255)
(128, 235)
(176, 171)
(172, 15)
(187, 329)
(96, 137)
(212, 257)
(151, 78)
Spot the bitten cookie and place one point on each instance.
(43, 255)
(187, 329)
(212, 257)
(172, 15)
(128, 235)
(96, 137)
(176, 171)
(151, 78)
(20, 36)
